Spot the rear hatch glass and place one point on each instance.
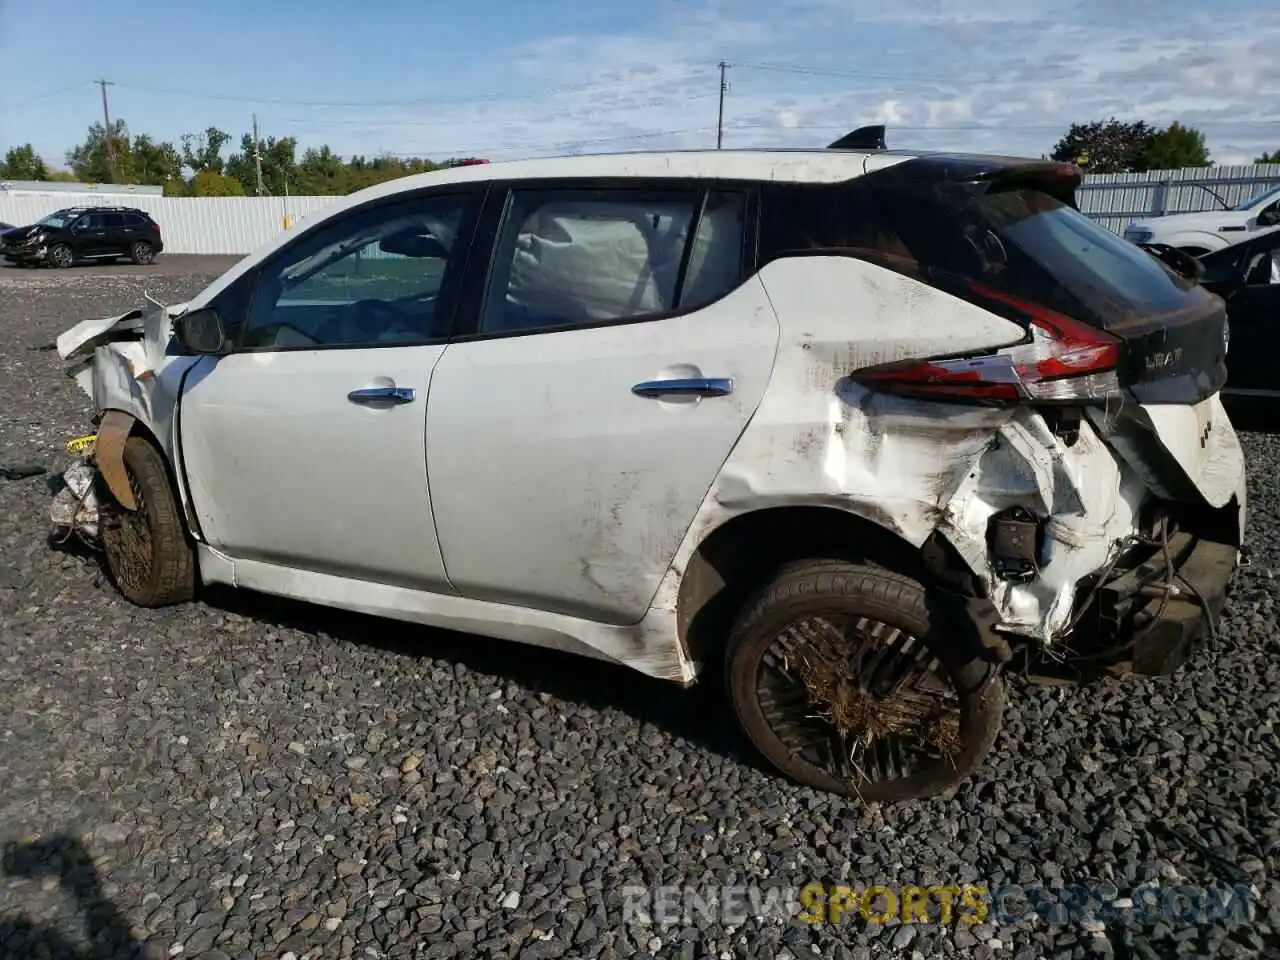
(1025, 243)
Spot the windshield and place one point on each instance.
(57, 220)
(1271, 194)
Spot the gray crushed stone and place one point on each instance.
(245, 778)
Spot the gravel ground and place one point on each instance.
(244, 777)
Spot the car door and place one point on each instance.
(1254, 312)
(88, 235)
(305, 445)
(574, 431)
(114, 239)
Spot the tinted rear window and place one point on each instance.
(1019, 242)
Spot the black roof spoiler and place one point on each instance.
(864, 138)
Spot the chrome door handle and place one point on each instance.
(382, 395)
(685, 387)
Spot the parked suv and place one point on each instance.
(859, 427)
(77, 234)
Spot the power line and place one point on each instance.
(424, 101)
(867, 75)
(46, 95)
(436, 121)
(555, 145)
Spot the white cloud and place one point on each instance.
(1002, 75)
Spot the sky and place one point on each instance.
(517, 78)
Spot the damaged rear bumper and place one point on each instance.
(1189, 615)
(1151, 614)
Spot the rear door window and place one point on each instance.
(573, 257)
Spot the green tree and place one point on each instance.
(1106, 146)
(144, 159)
(208, 183)
(279, 165)
(321, 172)
(23, 163)
(1176, 147)
(91, 161)
(154, 163)
(203, 151)
(1269, 158)
(138, 160)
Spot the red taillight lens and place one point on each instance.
(155, 227)
(1065, 361)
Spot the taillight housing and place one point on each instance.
(1064, 361)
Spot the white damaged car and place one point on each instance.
(860, 428)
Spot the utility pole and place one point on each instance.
(257, 154)
(724, 85)
(106, 128)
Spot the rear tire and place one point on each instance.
(60, 256)
(142, 252)
(814, 700)
(147, 550)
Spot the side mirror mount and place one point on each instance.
(1269, 217)
(202, 332)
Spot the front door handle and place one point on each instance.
(685, 387)
(382, 395)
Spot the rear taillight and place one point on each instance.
(155, 227)
(1065, 361)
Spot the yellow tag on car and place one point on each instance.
(81, 444)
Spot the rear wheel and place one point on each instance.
(60, 256)
(142, 252)
(147, 550)
(838, 679)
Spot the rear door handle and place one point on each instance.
(382, 395)
(685, 387)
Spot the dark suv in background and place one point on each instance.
(84, 233)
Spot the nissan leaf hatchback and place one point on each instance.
(859, 428)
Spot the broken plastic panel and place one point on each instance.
(75, 509)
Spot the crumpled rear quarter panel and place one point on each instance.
(909, 466)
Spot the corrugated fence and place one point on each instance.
(237, 225)
(1113, 199)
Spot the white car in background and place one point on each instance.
(860, 428)
(1199, 233)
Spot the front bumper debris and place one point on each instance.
(74, 510)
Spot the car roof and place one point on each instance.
(811, 165)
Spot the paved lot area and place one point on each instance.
(243, 777)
